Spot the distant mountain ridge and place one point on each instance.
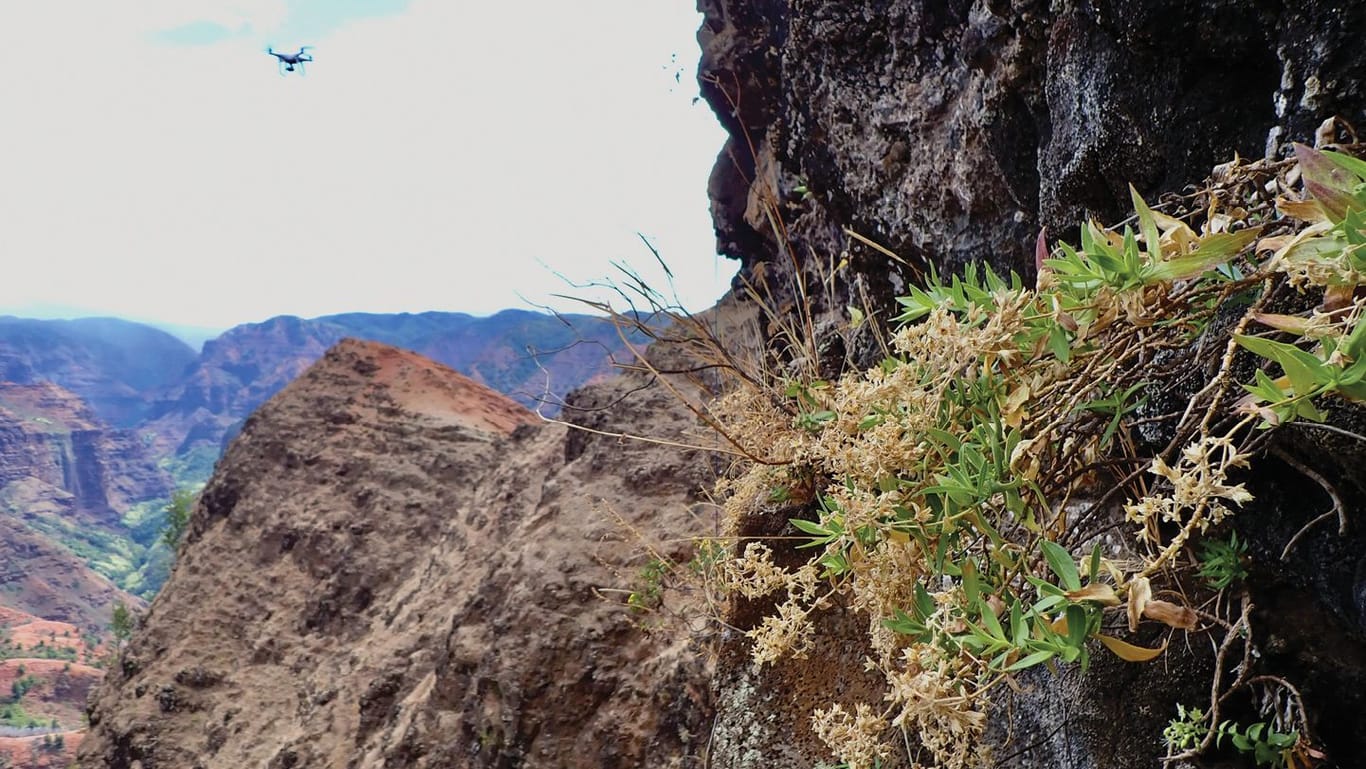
(533, 358)
(100, 418)
(111, 364)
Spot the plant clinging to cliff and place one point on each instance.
(956, 494)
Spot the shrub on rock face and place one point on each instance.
(1000, 493)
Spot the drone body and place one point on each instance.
(289, 61)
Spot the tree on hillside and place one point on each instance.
(122, 623)
(177, 518)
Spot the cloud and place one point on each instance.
(433, 159)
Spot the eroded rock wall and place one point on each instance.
(951, 132)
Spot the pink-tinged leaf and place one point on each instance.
(1041, 249)
(1329, 183)
(1179, 617)
(1292, 324)
(1349, 163)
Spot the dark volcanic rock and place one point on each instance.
(952, 131)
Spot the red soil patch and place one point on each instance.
(45, 669)
(10, 617)
(30, 753)
(425, 387)
(57, 635)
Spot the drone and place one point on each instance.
(288, 61)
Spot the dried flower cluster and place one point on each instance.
(951, 494)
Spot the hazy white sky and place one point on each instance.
(437, 155)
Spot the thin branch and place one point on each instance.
(1323, 483)
(1330, 428)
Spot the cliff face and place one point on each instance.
(65, 480)
(52, 445)
(393, 566)
(952, 132)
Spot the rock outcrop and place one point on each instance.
(394, 566)
(953, 132)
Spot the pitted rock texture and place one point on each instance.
(394, 566)
(952, 132)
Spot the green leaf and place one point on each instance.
(1059, 343)
(1030, 661)
(902, 623)
(871, 421)
(1354, 344)
(1212, 251)
(992, 624)
(1305, 371)
(1047, 603)
(835, 564)
(811, 528)
(1266, 388)
(1060, 561)
(1077, 626)
(1147, 225)
(1281, 740)
(1348, 163)
(972, 585)
(1019, 629)
(924, 602)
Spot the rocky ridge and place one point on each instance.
(393, 566)
(113, 365)
(532, 357)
